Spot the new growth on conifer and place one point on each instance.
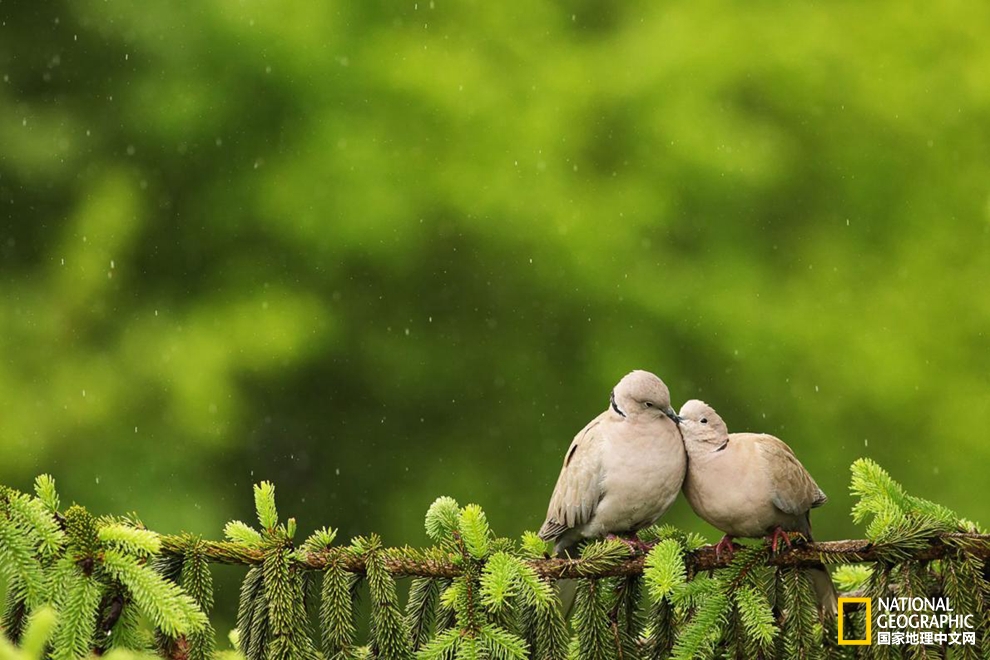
(80, 585)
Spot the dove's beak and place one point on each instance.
(669, 412)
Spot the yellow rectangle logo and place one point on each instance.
(869, 622)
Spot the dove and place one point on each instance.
(749, 485)
(622, 471)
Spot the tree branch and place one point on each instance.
(807, 555)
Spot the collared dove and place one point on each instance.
(622, 471)
(749, 485)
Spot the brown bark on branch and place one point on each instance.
(811, 554)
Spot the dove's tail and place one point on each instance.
(828, 603)
(825, 593)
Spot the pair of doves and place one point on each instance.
(624, 469)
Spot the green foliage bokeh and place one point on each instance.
(378, 252)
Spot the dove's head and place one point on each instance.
(641, 393)
(701, 425)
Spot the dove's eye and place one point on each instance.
(648, 404)
(704, 420)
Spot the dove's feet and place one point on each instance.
(644, 546)
(726, 547)
(635, 545)
(775, 537)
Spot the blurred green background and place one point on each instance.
(378, 252)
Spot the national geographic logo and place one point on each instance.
(911, 622)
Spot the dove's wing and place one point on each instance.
(794, 490)
(579, 486)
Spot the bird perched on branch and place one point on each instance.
(749, 485)
(622, 471)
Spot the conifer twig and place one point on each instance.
(703, 559)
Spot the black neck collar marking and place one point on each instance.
(723, 445)
(611, 399)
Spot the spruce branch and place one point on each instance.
(336, 611)
(802, 631)
(18, 563)
(533, 547)
(595, 637)
(33, 519)
(660, 631)
(613, 561)
(288, 630)
(698, 638)
(133, 540)
(77, 616)
(197, 581)
(38, 631)
(421, 607)
(851, 577)
(500, 644)
(895, 517)
(390, 637)
(44, 488)
(15, 611)
(544, 626)
(475, 595)
(441, 647)
(264, 504)
(239, 532)
(664, 569)
(168, 607)
(473, 527)
(320, 539)
(252, 615)
(442, 518)
(127, 632)
(756, 615)
(626, 617)
(499, 581)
